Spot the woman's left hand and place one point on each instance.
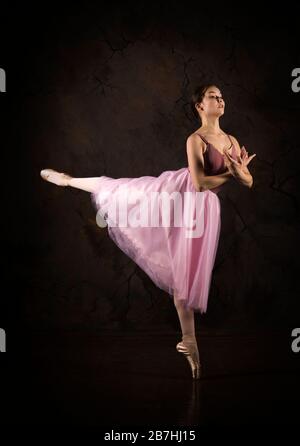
(234, 167)
(244, 158)
(237, 167)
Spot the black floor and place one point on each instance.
(73, 378)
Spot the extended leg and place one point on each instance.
(90, 184)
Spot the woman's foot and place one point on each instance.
(58, 178)
(189, 349)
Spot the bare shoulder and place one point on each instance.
(194, 142)
(196, 137)
(236, 143)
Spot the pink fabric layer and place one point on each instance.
(174, 262)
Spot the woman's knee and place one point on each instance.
(178, 302)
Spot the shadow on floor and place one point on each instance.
(109, 379)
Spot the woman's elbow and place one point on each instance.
(201, 187)
(198, 187)
(199, 183)
(202, 184)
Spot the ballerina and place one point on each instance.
(179, 265)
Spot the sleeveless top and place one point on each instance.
(213, 160)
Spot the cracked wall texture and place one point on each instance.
(107, 93)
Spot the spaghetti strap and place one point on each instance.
(202, 137)
(206, 142)
(230, 140)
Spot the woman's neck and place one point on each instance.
(212, 127)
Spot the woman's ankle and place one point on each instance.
(69, 180)
(189, 338)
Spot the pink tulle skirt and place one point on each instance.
(177, 263)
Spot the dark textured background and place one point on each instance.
(103, 90)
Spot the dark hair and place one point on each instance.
(197, 96)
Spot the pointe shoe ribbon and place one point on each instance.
(190, 351)
(58, 178)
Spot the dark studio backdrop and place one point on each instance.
(96, 89)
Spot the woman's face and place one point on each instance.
(212, 102)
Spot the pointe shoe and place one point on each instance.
(190, 351)
(58, 178)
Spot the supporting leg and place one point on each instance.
(188, 346)
(186, 318)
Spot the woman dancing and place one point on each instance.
(180, 265)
